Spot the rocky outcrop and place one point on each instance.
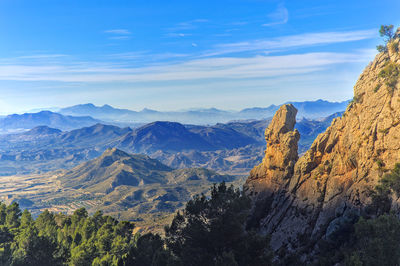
(280, 156)
(301, 202)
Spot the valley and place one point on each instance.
(129, 187)
(99, 167)
(232, 147)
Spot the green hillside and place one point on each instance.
(131, 187)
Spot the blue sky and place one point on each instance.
(171, 55)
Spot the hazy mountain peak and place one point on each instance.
(205, 116)
(44, 118)
(147, 110)
(43, 130)
(84, 105)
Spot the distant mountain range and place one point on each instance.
(307, 109)
(106, 112)
(85, 115)
(174, 137)
(232, 147)
(23, 122)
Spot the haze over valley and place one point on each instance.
(49, 150)
(44, 142)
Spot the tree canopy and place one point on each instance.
(210, 231)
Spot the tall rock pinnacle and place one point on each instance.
(280, 155)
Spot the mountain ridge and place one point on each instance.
(307, 109)
(114, 168)
(233, 147)
(28, 121)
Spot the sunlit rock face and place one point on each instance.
(280, 156)
(308, 198)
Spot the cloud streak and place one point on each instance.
(199, 69)
(292, 41)
(280, 16)
(187, 25)
(41, 56)
(118, 34)
(254, 71)
(180, 34)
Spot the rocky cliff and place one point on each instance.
(301, 201)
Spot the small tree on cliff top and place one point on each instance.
(386, 31)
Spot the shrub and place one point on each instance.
(377, 242)
(381, 48)
(390, 74)
(392, 179)
(394, 46)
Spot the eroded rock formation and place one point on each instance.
(309, 198)
(280, 156)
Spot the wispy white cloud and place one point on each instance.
(292, 41)
(179, 34)
(200, 20)
(254, 69)
(130, 55)
(228, 68)
(147, 56)
(239, 23)
(41, 56)
(122, 37)
(187, 25)
(314, 11)
(165, 56)
(34, 59)
(222, 34)
(118, 34)
(241, 82)
(279, 16)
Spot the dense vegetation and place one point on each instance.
(210, 231)
(374, 237)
